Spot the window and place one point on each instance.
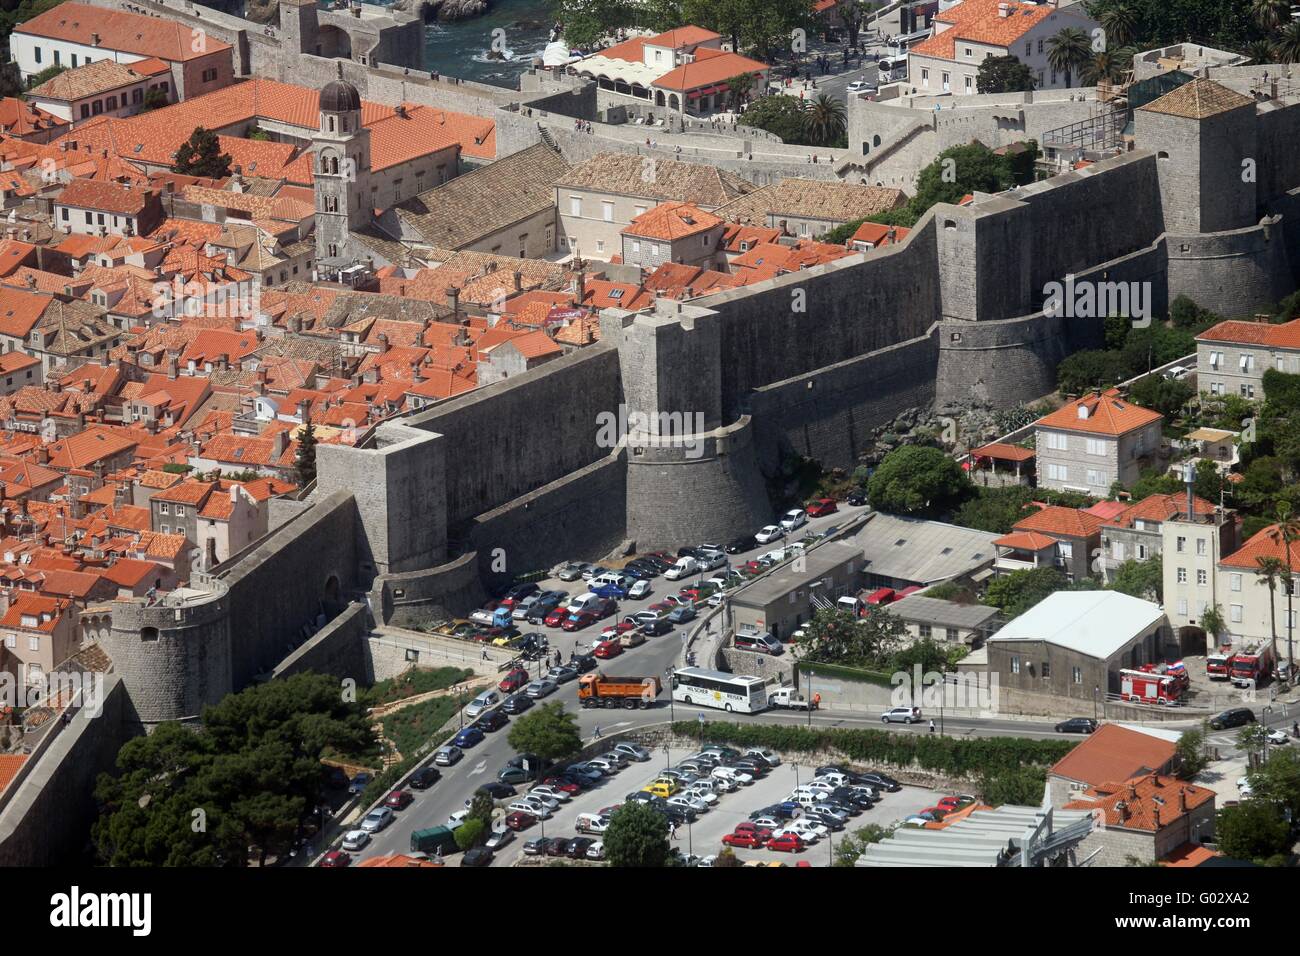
(1247, 363)
(11, 640)
(1057, 441)
(636, 245)
(1040, 44)
(1234, 582)
(1182, 575)
(1142, 552)
(1029, 48)
(1096, 446)
(1076, 675)
(1216, 388)
(1097, 478)
(1216, 359)
(947, 81)
(166, 529)
(1047, 669)
(607, 210)
(968, 84)
(112, 103)
(209, 75)
(1182, 607)
(1065, 549)
(65, 213)
(1234, 613)
(1200, 546)
(1202, 578)
(1180, 545)
(924, 630)
(85, 111)
(180, 511)
(33, 643)
(640, 210)
(1015, 665)
(575, 206)
(1057, 473)
(600, 245)
(1247, 391)
(925, 75)
(950, 633)
(163, 508)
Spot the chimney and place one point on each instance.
(1155, 811)
(1189, 481)
(400, 109)
(295, 323)
(1132, 791)
(453, 300)
(382, 339)
(1182, 800)
(1122, 809)
(94, 39)
(304, 410)
(223, 361)
(518, 278)
(259, 381)
(281, 442)
(173, 366)
(417, 372)
(43, 455)
(582, 286)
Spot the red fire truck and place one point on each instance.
(1251, 666)
(1216, 664)
(1149, 687)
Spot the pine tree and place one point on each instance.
(201, 155)
(305, 463)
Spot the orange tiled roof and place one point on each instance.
(1025, 541)
(1265, 543)
(708, 70)
(34, 605)
(118, 30)
(1003, 452)
(1114, 753)
(1147, 802)
(1284, 336)
(10, 764)
(878, 234)
(20, 118)
(1159, 508)
(1054, 519)
(107, 196)
(671, 221)
(1107, 414)
(981, 21)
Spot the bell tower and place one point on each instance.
(341, 161)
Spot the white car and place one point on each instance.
(807, 829)
(355, 840)
(768, 823)
(794, 518)
(684, 568)
(534, 799)
(596, 851)
(535, 808)
(731, 773)
(499, 838)
(775, 556)
(725, 784)
(817, 786)
(860, 86)
(1279, 737)
(377, 819)
(638, 590)
(705, 796)
(606, 763)
(456, 819)
(687, 801)
(769, 533)
(551, 793)
(767, 756)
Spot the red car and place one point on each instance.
(576, 622)
(953, 803)
(560, 783)
(556, 617)
(520, 820)
(786, 843)
(335, 858)
(607, 649)
(662, 608)
(615, 630)
(822, 507)
(937, 813)
(398, 800)
(516, 679)
(763, 833)
(606, 607)
(744, 838)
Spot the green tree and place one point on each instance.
(1067, 50)
(49, 73)
(837, 637)
(1259, 51)
(1021, 786)
(1165, 395)
(973, 168)
(1155, 345)
(1213, 623)
(637, 835)
(1191, 752)
(1103, 67)
(917, 479)
(852, 846)
(779, 115)
(1004, 74)
(201, 155)
(1270, 14)
(1119, 23)
(1141, 579)
(740, 88)
(550, 731)
(480, 809)
(1088, 370)
(826, 122)
(1017, 592)
(931, 655)
(1253, 830)
(1277, 780)
(1186, 314)
(1287, 46)
(153, 100)
(993, 509)
(1269, 571)
(304, 465)
(727, 858)
(470, 834)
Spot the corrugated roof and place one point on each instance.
(1095, 623)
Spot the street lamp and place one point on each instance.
(1095, 691)
(668, 757)
(796, 775)
(811, 675)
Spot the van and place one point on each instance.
(611, 577)
(433, 840)
(806, 798)
(591, 823)
(683, 568)
(484, 701)
(584, 602)
(834, 779)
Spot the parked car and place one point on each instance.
(493, 720)
(786, 842)
(769, 533)
(557, 617)
(517, 703)
(498, 792)
(576, 622)
(901, 715)
(749, 839)
(520, 820)
(398, 800)
(514, 680)
(537, 846)
(681, 614)
(857, 497)
(562, 673)
(541, 688)
(570, 572)
(355, 840)
(483, 702)
(583, 663)
(1077, 725)
(335, 859)
(769, 757)
(468, 738)
(794, 519)
(359, 783)
(746, 542)
(535, 809)
(639, 590)
(632, 638)
(424, 778)
(822, 507)
(477, 856)
(607, 649)
(656, 627)
(447, 755)
(762, 643)
(633, 752)
(1233, 717)
(377, 819)
(596, 851)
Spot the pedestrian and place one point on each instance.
(672, 830)
(817, 701)
(485, 654)
(597, 732)
(931, 725)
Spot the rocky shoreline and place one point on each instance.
(264, 11)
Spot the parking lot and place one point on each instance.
(704, 837)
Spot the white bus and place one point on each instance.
(729, 692)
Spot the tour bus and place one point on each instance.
(729, 692)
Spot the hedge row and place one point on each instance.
(848, 673)
(940, 754)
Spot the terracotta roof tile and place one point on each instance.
(1054, 519)
(1107, 414)
(1114, 753)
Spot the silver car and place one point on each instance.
(541, 688)
(632, 752)
(499, 838)
(447, 755)
(377, 819)
(355, 840)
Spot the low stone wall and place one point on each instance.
(337, 649)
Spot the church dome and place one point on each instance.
(339, 96)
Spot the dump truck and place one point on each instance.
(432, 840)
(597, 690)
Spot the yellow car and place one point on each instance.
(661, 788)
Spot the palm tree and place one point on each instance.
(1068, 50)
(1285, 532)
(1269, 14)
(1270, 571)
(825, 121)
(1259, 51)
(1118, 22)
(1103, 67)
(1287, 47)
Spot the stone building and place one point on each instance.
(1232, 357)
(1064, 538)
(1146, 819)
(1073, 644)
(1113, 752)
(673, 232)
(1089, 444)
(788, 597)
